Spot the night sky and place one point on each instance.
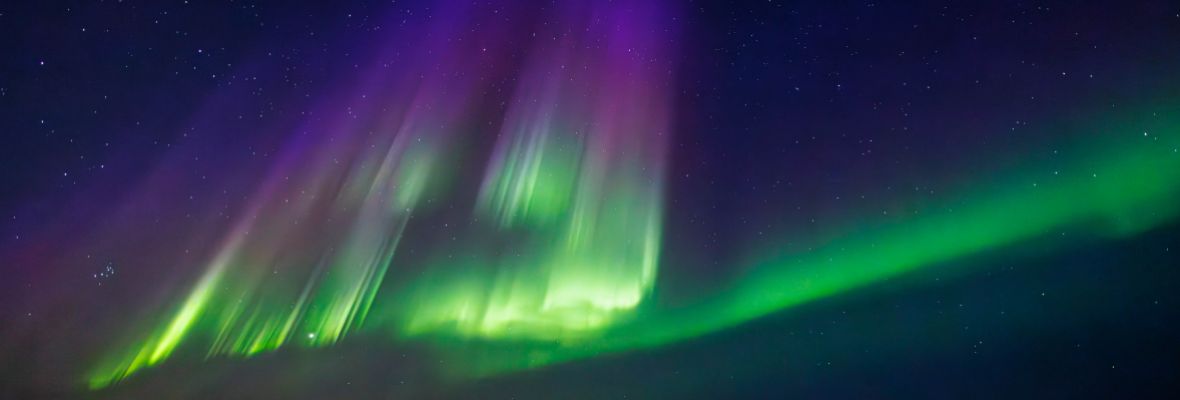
(623, 199)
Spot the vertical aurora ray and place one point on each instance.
(344, 298)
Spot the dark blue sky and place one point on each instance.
(791, 117)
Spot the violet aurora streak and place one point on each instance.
(557, 255)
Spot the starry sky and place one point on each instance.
(625, 199)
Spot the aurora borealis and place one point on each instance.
(495, 200)
(570, 200)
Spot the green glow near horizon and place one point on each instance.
(557, 283)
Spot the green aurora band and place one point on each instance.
(1121, 182)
